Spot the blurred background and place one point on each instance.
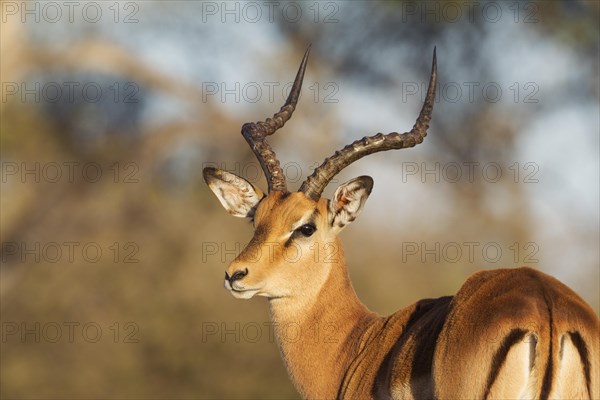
(113, 249)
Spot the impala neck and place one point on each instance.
(318, 332)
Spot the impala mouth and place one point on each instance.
(244, 294)
(240, 292)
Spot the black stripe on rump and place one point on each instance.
(509, 341)
(547, 382)
(584, 355)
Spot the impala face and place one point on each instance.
(547, 337)
(295, 237)
(294, 245)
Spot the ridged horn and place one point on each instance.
(255, 133)
(315, 184)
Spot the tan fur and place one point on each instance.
(333, 346)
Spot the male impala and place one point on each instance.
(506, 334)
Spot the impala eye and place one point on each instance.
(307, 229)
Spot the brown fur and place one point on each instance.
(507, 333)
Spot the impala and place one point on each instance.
(507, 333)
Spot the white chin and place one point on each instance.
(243, 294)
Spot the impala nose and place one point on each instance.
(237, 275)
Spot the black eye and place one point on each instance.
(307, 229)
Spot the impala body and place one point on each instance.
(507, 333)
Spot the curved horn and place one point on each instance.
(255, 133)
(315, 184)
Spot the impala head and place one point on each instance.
(295, 242)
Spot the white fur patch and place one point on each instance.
(348, 200)
(238, 196)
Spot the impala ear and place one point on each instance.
(237, 195)
(348, 201)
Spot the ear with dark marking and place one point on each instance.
(237, 195)
(348, 201)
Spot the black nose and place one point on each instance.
(237, 275)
